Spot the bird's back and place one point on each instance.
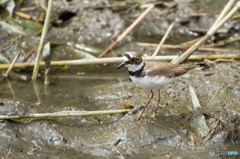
(156, 75)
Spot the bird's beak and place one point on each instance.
(121, 65)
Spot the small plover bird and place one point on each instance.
(152, 75)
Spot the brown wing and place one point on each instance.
(167, 69)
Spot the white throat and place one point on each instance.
(135, 67)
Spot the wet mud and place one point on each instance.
(174, 133)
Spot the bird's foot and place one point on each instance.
(142, 113)
(153, 116)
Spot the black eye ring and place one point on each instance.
(133, 59)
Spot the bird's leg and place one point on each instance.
(154, 114)
(140, 114)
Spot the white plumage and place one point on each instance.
(151, 83)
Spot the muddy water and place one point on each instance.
(102, 87)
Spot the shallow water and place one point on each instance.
(102, 87)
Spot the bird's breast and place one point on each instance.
(150, 82)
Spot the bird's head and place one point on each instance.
(132, 60)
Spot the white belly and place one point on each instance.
(150, 83)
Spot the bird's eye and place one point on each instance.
(132, 59)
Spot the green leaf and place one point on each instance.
(203, 124)
(29, 24)
(52, 43)
(10, 6)
(46, 50)
(84, 54)
(19, 3)
(196, 104)
(15, 29)
(18, 77)
(195, 100)
(81, 53)
(234, 89)
(87, 48)
(219, 97)
(4, 60)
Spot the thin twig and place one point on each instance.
(8, 153)
(12, 64)
(118, 152)
(62, 135)
(114, 36)
(42, 4)
(23, 15)
(27, 9)
(192, 139)
(150, 143)
(27, 56)
(197, 15)
(150, 7)
(209, 62)
(41, 44)
(163, 39)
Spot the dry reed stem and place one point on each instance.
(218, 23)
(43, 37)
(66, 114)
(185, 47)
(119, 59)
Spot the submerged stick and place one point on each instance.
(119, 59)
(211, 32)
(11, 89)
(163, 40)
(41, 44)
(150, 7)
(66, 114)
(37, 92)
(12, 64)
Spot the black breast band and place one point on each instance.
(137, 73)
